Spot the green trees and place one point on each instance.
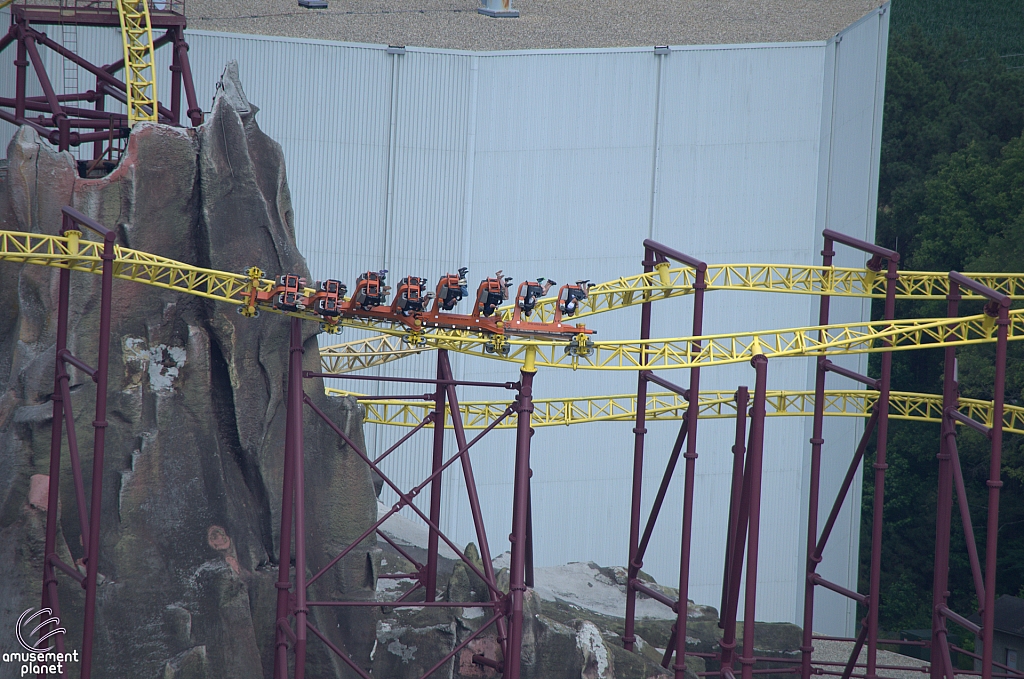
(951, 196)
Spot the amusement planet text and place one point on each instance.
(35, 664)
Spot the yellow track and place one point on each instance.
(78, 254)
(364, 353)
(74, 253)
(671, 406)
(139, 66)
(722, 349)
(664, 283)
(82, 255)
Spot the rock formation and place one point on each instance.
(573, 624)
(192, 479)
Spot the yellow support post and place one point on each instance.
(530, 363)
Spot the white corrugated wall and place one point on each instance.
(558, 164)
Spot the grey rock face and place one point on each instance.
(192, 480)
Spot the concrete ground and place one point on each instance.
(833, 652)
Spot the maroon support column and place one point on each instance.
(880, 466)
(195, 112)
(735, 539)
(471, 491)
(639, 430)
(175, 82)
(994, 484)
(517, 574)
(296, 442)
(754, 457)
(63, 417)
(97, 146)
(283, 632)
(99, 437)
(944, 502)
(21, 63)
(49, 598)
(811, 565)
(692, 412)
(437, 460)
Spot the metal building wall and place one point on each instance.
(851, 139)
(559, 163)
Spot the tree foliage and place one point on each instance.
(951, 196)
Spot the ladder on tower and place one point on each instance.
(69, 39)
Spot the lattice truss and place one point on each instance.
(137, 40)
(79, 254)
(671, 406)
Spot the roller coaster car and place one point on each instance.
(450, 290)
(328, 297)
(289, 293)
(569, 298)
(410, 297)
(370, 290)
(527, 296)
(491, 293)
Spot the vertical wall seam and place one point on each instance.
(876, 125)
(467, 203)
(470, 175)
(389, 160)
(656, 148)
(824, 194)
(853, 559)
(831, 133)
(389, 180)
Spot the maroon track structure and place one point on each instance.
(506, 609)
(744, 507)
(64, 120)
(950, 473)
(88, 515)
(655, 254)
(879, 421)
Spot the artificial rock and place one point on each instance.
(194, 451)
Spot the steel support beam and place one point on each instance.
(292, 603)
(880, 421)
(951, 478)
(62, 413)
(520, 500)
(59, 128)
(754, 457)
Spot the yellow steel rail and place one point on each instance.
(83, 255)
(139, 65)
(722, 349)
(665, 283)
(364, 353)
(671, 406)
(359, 354)
(75, 253)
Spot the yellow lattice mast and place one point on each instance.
(139, 67)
